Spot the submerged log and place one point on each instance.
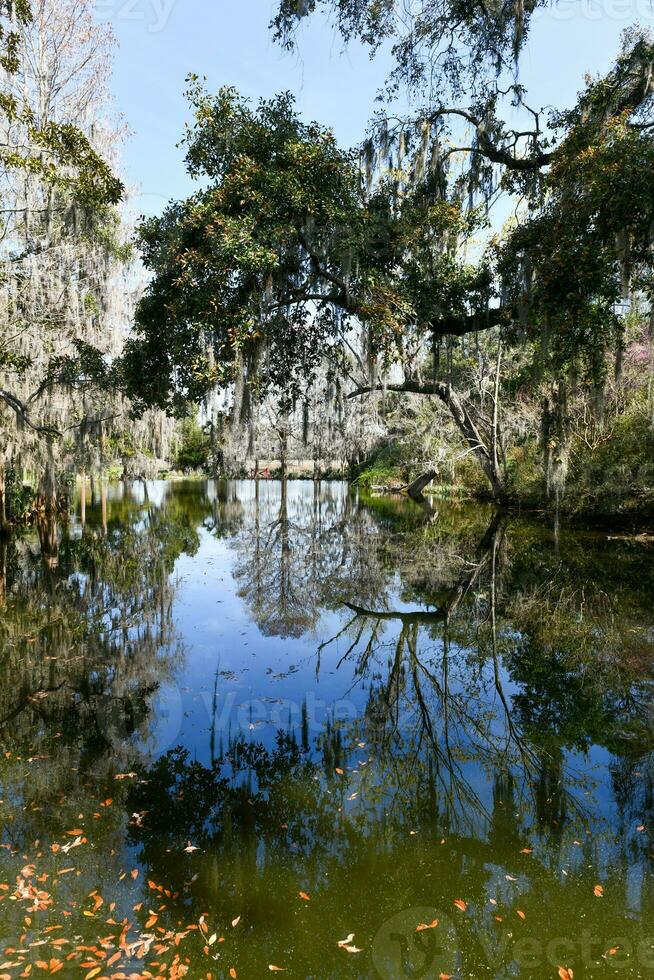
(414, 490)
(420, 616)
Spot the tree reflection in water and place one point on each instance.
(489, 664)
(501, 746)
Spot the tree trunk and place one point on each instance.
(104, 509)
(495, 434)
(48, 487)
(283, 450)
(3, 569)
(464, 422)
(127, 476)
(83, 498)
(3, 504)
(49, 538)
(416, 488)
(485, 456)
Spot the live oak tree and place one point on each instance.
(293, 248)
(437, 45)
(227, 261)
(579, 265)
(270, 268)
(585, 244)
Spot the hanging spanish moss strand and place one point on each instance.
(67, 276)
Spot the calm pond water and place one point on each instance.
(342, 737)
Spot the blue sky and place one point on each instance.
(161, 41)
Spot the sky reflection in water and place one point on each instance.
(387, 707)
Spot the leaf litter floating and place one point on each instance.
(347, 944)
(423, 926)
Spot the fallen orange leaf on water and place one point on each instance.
(307, 898)
(565, 973)
(521, 914)
(460, 904)
(599, 891)
(340, 772)
(423, 927)
(232, 973)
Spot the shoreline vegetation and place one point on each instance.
(632, 519)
